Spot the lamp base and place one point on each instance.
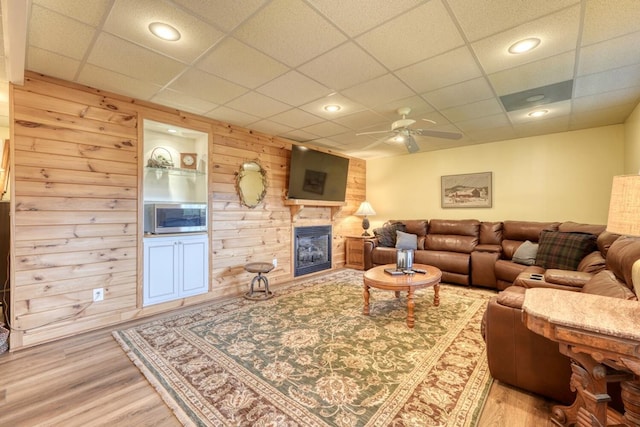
(365, 225)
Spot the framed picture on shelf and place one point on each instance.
(471, 190)
(188, 160)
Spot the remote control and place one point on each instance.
(419, 270)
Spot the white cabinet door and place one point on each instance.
(195, 266)
(175, 267)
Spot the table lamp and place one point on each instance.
(364, 210)
(624, 214)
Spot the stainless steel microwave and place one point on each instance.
(162, 218)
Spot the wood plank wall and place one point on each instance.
(76, 197)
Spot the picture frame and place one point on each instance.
(471, 190)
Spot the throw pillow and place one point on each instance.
(406, 240)
(526, 253)
(387, 234)
(562, 250)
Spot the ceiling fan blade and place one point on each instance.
(373, 132)
(438, 134)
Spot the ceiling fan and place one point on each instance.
(401, 132)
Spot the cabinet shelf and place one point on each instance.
(297, 205)
(176, 171)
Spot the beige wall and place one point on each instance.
(632, 143)
(556, 177)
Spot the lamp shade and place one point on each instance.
(365, 209)
(624, 208)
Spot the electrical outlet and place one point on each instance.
(98, 294)
(275, 262)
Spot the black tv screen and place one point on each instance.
(315, 175)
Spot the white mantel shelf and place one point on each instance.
(297, 205)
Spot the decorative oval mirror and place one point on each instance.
(251, 184)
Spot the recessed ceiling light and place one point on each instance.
(172, 131)
(535, 98)
(164, 31)
(332, 108)
(538, 113)
(524, 45)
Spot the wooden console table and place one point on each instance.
(601, 336)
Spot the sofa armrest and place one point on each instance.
(576, 279)
(369, 246)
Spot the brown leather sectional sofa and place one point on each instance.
(471, 252)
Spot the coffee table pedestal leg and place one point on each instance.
(410, 306)
(436, 294)
(365, 309)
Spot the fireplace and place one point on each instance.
(312, 249)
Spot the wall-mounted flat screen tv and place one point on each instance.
(315, 175)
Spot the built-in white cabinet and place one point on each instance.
(175, 267)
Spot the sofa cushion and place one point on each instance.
(607, 284)
(490, 233)
(526, 253)
(592, 263)
(457, 227)
(526, 230)
(564, 251)
(623, 253)
(406, 240)
(512, 297)
(387, 234)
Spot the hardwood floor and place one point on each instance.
(88, 380)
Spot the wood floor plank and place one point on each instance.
(87, 380)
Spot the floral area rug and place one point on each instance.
(309, 357)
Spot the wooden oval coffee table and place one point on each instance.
(379, 279)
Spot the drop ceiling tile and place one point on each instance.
(484, 123)
(51, 64)
(100, 78)
(490, 134)
(343, 67)
(558, 34)
(601, 117)
(130, 21)
(199, 84)
(225, 14)
(234, 117)
(123, 57)
(296, 118)
(357, 16)
(258, 105)
(289, 31)
(241, 64)
(51, 31)
(326, 129)
(474, 110)
(91, 14)
(613, 53)
(557, 109)
(482, 18)
(459, 94)
(602, 21)
(378, 91)
(443, 70)
(432, 32)
(269, 127)
(606, 100)
(299, 136)
(360, 120)
(183, 102)
(606, 81)
(419, 107)
(548, 126)
(347, 105)
(294, 89)
(534, 74)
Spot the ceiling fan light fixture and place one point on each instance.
(164, 31)
(332, 108)
(538, 113)
(524, 45)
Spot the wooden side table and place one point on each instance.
(354, 251)
(601, 336)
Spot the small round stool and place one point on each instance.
(260, 268)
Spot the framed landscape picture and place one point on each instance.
(471, 190)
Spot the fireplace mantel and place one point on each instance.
(297, 205)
